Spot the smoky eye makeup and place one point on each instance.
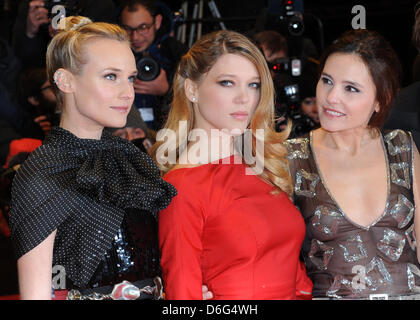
(256, 85)
(110, 76)
(326, 79)
(225, 83)
(350, 88)
(132, 78)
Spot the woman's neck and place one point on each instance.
(80, 129)
(207, 147)
(351, 142)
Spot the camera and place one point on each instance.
(288, 107)
(148, 68)
(288, 100)
(294, 23)
(285, 65)
(291, 19)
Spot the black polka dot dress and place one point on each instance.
(82, 187)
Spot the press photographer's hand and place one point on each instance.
(157, 87)
(37, 15)
(44, 123)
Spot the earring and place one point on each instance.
(194, 99)
(59, 84)
(56, 75)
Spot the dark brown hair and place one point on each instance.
(381, 61)
(149, 5)
(272, 41)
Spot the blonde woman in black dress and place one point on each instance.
(85, 200)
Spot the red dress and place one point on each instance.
(224, 229)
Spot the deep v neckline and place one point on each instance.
(332, 198)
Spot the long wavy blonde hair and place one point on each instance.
(194, 65)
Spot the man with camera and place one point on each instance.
(295, 82)
(33, 29)
(157, 54)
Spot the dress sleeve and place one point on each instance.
(37, 205)
(180, 234)
(303, 283)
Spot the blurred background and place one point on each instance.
(393, 19)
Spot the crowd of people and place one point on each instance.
(220, 176)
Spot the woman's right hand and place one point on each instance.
(37, 15)
(44, 123)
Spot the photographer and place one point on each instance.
(308, 106)
(33, 30)
(9, 69)
(294, 81)
(135, 130)
(147, 25)
(37, 104)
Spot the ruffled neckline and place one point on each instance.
(111, 169)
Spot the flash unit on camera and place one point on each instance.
(296, 67)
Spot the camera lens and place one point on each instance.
(295, 25)
(148, 69)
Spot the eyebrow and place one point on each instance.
(235, 76)
(118, 70)
(356, 84)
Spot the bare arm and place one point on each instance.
(35, 271)
(416, 191)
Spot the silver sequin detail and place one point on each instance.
(339, 282)
(394, 150)
(413, 271)
(125, 257)
(319, 248)
(377, 278)
(312, 177)
(405, 182)
(403, 211)
(303, 148)
(325, 220)
(348, 257)
(392, 244)
(411, 238)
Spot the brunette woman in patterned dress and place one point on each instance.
(357, 186)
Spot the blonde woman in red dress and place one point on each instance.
(232, 226)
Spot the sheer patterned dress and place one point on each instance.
(347, 260)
